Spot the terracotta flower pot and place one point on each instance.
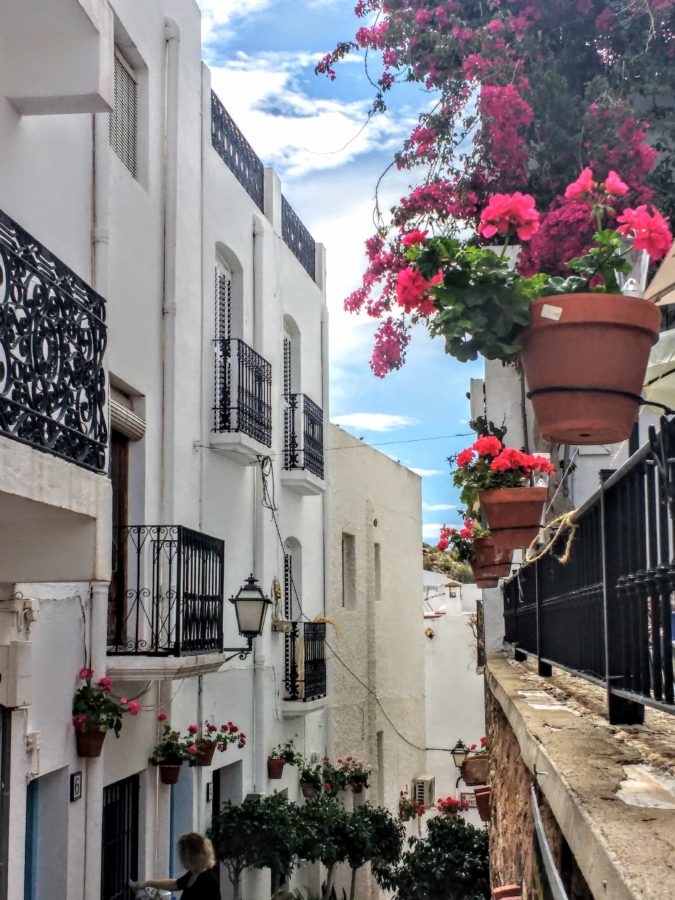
(450, 812)
(490, 563)
(475, 769)
(513, 515)
(483, 796)
(275, 767)
(204, 754)
(405, 816)
(357, 788)
(308, 789)
(89, 743)
(599, 341)
(169, 773)
(511, 891)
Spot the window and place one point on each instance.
(119, 851)
(119, 477)
(223, 302)
(123, 125)
(377, 572)
(348, 571)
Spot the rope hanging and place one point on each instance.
(562, 524)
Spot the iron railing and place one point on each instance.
(167, 591)
(236, 152)
(243, 391)
(607, 614)
(306, 661)
(52, 342)
(297, 238)
(303, 434)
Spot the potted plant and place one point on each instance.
(450, 806)
(583, 344)
(310, 779)
(408, 807)
(281, 755)
(203, 740)
(96, 711)
(356, 773)
(333, 777)
(474, 544)
(483, 802)
(502, 479)
(475, 765)
(170, 752)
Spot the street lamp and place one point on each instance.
(459, 753)
(250, 605)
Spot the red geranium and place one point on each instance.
(506, 211)
(648, 229)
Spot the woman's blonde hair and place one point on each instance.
(196, 852)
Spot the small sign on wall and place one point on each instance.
(470, 798)
(75, 786)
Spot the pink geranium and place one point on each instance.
(414, 237)
(614, 185)
(506, 211)
(648, 230)
(133, 707)
(465, 458)
(583, 185)
(486, 445)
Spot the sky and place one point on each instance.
(262, 55)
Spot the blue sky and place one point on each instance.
(262, 55)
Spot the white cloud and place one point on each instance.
(431, 530)
(426, 473)
(217, 14)
(374, 421)
(437, 507)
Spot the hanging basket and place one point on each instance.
(483, 796)
(89, 743)
(475, 769)
(490, 563)
(204, 754)
(169, 773)
(585, 358)
(308, 789)
(275, 767)
(405, 816)
(513, 515)
(357, 788)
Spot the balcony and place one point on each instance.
(298, 239)
(243, 401)
(305, 682)
(236, 152)
(303, 445)
(52, 342)
(166, 601)
(607, 614)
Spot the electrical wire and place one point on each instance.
(267, 473)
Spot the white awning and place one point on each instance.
(660, 378)
(662, 287)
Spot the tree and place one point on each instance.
(326, 834)
(260, 833)
(383, 845)
(451, 863)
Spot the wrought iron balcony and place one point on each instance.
(297, 238)
(52, 341)
(607, 614)
(243, 391)
(303, 434)
(166, 595)
(306, 661)
(236, 152)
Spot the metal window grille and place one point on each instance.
(288, 366)
(119, 851)
(123, 124)
(303, 434)
(223, 303)
(306, 661)
(297, 238)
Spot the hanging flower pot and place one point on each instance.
(169, 773)
(204, 754)
(405, 815)
(483, 795)
(585, 358)
(475, 769)
(308, 789)
(275, 767)
(490, 562)
(513, 514)
(357, 788)
(89, 743)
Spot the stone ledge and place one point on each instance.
(624, 852)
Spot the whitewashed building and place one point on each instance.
(163, 392)
(376, 654)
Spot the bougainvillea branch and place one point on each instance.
(520, 96)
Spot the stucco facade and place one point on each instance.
(149, 242)
(376, 573)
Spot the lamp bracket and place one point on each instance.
(241, 652)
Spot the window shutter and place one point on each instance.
(122, 128)
(223, 303)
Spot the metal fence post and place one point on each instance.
(544, 669)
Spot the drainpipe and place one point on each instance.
(258, 263)
(326, 501)
(170, 190)
(5, 772)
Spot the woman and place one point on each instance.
(200, 882)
